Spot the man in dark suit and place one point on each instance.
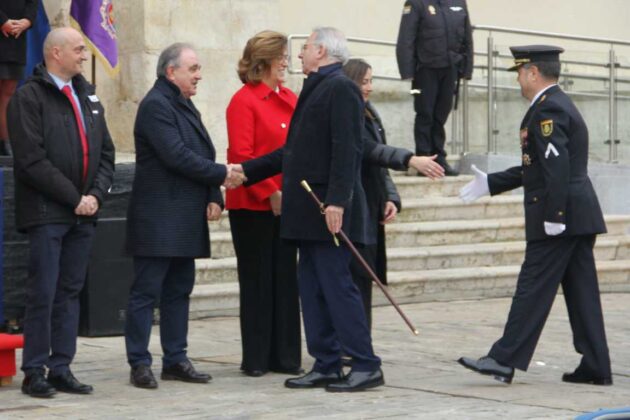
(324, 147)
(562, 218)
(64, 165)
(435, 49)
(175, 192)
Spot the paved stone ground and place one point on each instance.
(423, 379)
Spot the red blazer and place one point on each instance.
(257, 122)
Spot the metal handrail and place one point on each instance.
(491, 66)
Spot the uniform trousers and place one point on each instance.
(433, 106)
(58, 261)
(567, 261)
(169, 281)
(269, 303)
(334, 317)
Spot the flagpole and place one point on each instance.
(93, 70)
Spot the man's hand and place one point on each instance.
(275, 200)
(390, 212)
(334, 218)
(88, 206)
(427, 166)
(554, 229)
(476, 188)
(213, 212)
(234, 176)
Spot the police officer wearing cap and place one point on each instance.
(562, 219)
(435, 49)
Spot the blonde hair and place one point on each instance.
(258, 54)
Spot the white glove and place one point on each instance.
(476, 188)
(553, 229)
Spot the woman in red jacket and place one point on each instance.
(258, 118)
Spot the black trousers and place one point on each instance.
(58, 264)
(433, 106)
(169, 281)
(568, 261)
(269, 303)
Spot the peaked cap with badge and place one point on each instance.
(534, 54)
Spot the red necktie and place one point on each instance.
(77, 116)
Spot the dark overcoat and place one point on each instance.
(553, 173)
(13, 50)
(324, 147)
(176, 177)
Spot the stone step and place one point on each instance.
(221, 299)
(608, 247)
(452, 208)
(435, 233)
(482, 282)
(412, 186)
(474, 231)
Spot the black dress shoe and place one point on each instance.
(141, 376)
(256, 373)
(184, 371)
(578, 377)
(36, 385)
(488, 366)
(448, 169)
(358, 381)
(5, 148)
(66, 382)
(313, 380)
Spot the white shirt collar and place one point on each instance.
(60, 83)
(539, 94)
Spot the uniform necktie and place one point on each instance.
(77, 116)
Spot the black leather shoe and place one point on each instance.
(488, 366)
(313, 380)
(256, 373)
(5, 148)
(578, 377)
(36, 385)
(184, 371)
(141, 376)
(448, 169)
(66, 382)
(358, 381)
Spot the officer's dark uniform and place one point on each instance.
(435, 48)
(553, 173)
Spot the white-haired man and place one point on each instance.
(324, 147)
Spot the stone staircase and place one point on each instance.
(438, 249)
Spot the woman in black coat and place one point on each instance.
(383, 201)
(16, 16)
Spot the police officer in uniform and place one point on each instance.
(435, 49)
(562, 219)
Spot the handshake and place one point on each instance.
(234, 177)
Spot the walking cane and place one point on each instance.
(358, 256)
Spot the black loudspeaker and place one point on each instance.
(109, 278)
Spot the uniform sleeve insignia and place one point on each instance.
(406, 10)
(526, 160)
(546, 127)
(431, 9)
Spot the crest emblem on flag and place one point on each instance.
(107, 14)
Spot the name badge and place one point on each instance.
(93, 98)
(456, 8)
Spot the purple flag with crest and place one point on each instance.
(95, 20)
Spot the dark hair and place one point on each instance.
(548, 69)
(258, 54)
(355, 69)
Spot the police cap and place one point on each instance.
(534, 54)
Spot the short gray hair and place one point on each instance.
(334, 41)
(170, 57)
